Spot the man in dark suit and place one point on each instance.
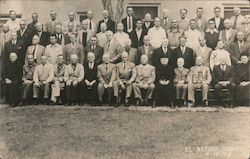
(238, 47)
(129, 22)
(223, 77)
(60, 35)
(32, 26)
(16, 46)
(13, 79)
(163, 51)
(24, 35)
(219, 22)
(137, 34)
(96, 49)
(148, 22)
(89, 90)
(146, 49)
(43, 36)
(185, 52)
(110, 23)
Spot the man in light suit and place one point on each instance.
(129, 22)
(43, 75)
(198, 77)
(50, 26)
(73, 48)
(113, 48)
(27, 85)
(146, 49)
(237, 20)
(228, 34)
(125, 74)
(96, 49)
(73, 76)
(203, 51)
(166, 20)
(36, 50)
(120, 36)
(106, 19)
(238, 47)
(84, 35)
(58, 84)
(219, 22)
(101, 36)
(180, 82)
(72, 20)
(200, 20)
(91, 23)
(106, 73)
(132, 52)
(145, 78)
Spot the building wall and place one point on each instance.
(43, 7)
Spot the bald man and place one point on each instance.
(84, 35)
(148, 22)
(106, 19)
(146, 49)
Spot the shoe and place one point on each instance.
(126, 102)
(190, 104)
(153, 104)
(205, 103)
(137, 103)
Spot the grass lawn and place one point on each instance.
(45, 132)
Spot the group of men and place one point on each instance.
(164, 61)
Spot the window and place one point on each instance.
(228, 10)
(141, 9)
(81, 15)
(5, 17)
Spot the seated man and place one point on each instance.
(145, 78)
(13, 78)
(125, 74)
(106, 75)
(28, 71)
(180, 82)
(164, 83)
(198, 77)
(58, 84)
(223, 77)
(243, 80)
(43, 75)
(90, 79)
(73, 76)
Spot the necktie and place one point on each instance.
(90, 25)
(124, 65)
(34, 52)
(241, 46)
(165, 21)
(235, 22)
(129, 23)
(93, 48)
(106, 68)
(84, 39)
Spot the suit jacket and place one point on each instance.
(90, 74)
(62, 41)
(28, 71)
(188, 55)
(136, 42)
(43, 73)
(124, 22)
(221, 25)
(205, 55)
(13, 71)
(18, 49)
(219, 75)
(235, 51)
(59, 74)
(89, 35)
(194, 76)
(142, 51)
(26, 37)
(31, 26)
(110, 25)
(145, 74)
(71, 74)
(114, 49)
(127, 73)
(77, 49)
(44, 38)
(49, 27)
(231, 38)
(158, 54)
(132, 55)
(239, 23)
(168, 25)
(180, 74)
(144, 27)
(39, 52)
(98, 53)
(106, 74)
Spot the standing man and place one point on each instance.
(120, 36)
(73, 76)
(101, 36)
(24, 35)
(198, 77)
(183, 23)
(203, 51)
(106, 73)
(219, 22)
(50, 26)
(84, 35)
(129, 22)
(106, 19)
(211, 35)
(173, 34)
(201, 21)
(73, 48)
(148, 22)
(71, 16)
(43, 75)
(32, 26)
(91, 23)
(125, 75)
(43, 36)
(228, 34)
(166, 20)
(237, 20)
(53, 50)
(156, 33)
(60, 36)
(13, 22)
(96, 49)
(137, 34)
